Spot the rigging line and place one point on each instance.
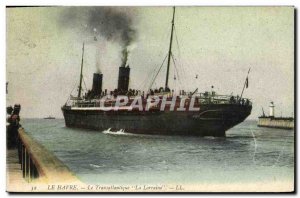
(175, 65)
(176, 39)
(177, 42)
(158, 72)
(71, 91)
(179, 80)
(140, 87)
(179, 52)
(176, 79)
(177, 71)
(144, 84)
(193, 62)
(148, 78)
(151, 77)
(84, 83)
(154, 77)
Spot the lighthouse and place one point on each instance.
(272, 113)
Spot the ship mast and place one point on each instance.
(80, 81)
(170, 50)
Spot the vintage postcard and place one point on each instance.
(150, 99)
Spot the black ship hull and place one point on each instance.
(211, 120)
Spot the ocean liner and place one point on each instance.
(154, 111)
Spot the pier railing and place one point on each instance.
(37, 162)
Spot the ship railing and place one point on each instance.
(202, 99)
(86, 105)
(205, 98)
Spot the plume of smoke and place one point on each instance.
(124, 56)
(109, 22)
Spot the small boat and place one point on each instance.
(49, 117)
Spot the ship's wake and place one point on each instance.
(120, 132)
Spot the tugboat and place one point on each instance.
(159, 111)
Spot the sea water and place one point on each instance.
(247, 154)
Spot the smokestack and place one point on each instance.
(123, 81)
(97, 84)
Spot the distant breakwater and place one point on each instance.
(283, 123)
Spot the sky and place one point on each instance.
(219, 44)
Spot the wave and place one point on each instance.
(96, 166)
(120, 132)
